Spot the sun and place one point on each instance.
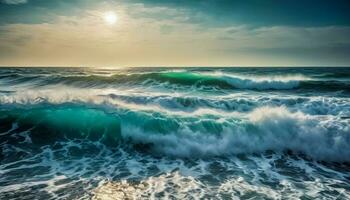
(110, 17)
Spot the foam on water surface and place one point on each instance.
(192, 133)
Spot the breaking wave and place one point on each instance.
(267, 128)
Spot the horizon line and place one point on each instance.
(169, 66)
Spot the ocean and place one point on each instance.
(175, 133)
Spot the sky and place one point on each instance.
(118, 33)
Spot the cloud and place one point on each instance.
(328, 45)
(85, 39)
(287, 36)
(261, 13)
(207, 13)
(14, 2)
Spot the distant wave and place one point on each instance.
(178, 79)
(277, 83)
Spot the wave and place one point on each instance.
(193, 79)
(263, 129)
(179, 79)
(182, 103)
(264, 83)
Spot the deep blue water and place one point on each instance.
(182, 133)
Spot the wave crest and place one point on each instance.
(263, 129)
(263, 84)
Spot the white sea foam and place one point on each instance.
(266, 128)
(261, 82)
(180, 102)
(110, 174)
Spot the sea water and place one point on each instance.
(175, 133)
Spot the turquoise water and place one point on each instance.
(181, 133)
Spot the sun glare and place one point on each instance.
(110, 18)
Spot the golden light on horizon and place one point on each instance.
(110, 17)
